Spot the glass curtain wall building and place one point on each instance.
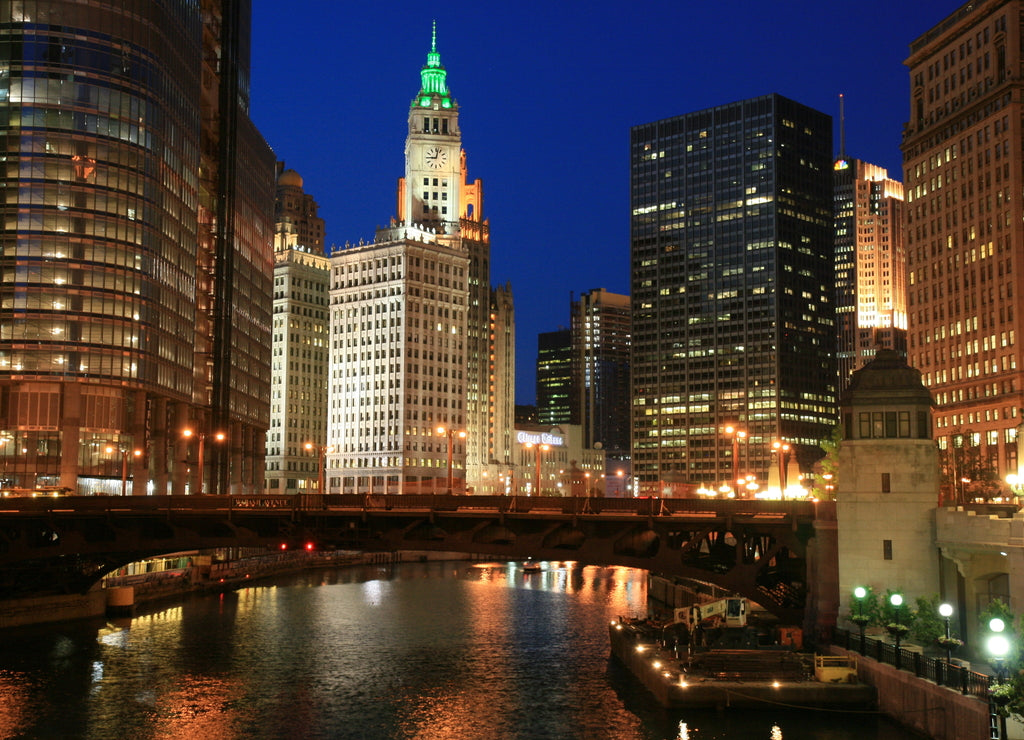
(135, 260)
(554, 379)
(732, 291)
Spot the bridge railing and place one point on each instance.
(427, 502)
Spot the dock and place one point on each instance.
(720, 679)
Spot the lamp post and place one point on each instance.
(897, 601)
(860, 618)
(781, 448)
(451, 434)
(321, 451)
(201, 451)
(998, 647)
(537, 448)
(1016, 483)
(737, 435)
(124, 465)
(946, 611)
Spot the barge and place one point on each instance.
(719, 678)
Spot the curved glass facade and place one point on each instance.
(101, 255)
(98, 248)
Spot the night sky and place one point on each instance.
(547, 93)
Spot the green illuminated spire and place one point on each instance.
(433, 76)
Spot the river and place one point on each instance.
(425, 651)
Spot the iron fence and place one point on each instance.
(942, 672)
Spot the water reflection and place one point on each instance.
(451, 651)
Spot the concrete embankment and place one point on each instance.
(119, 595)
(935, 711)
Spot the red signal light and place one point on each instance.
(284, 546)
(309, 547)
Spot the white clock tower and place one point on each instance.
(429, 194)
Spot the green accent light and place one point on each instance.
(432, 76)
(446, 103)
(425, 101)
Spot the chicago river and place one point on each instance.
(433, 651)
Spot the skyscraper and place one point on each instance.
(555, 394)
(135, 261)
(412, 354)
(871, 265)
(600, 343)
(963, 162)
(732, 291)
(298, 388)
(501, 393)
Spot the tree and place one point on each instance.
(826, 478)
(1008, 695)
(929, 626)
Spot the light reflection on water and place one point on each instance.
(430, 651)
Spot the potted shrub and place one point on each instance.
(1002, 693)
(949, 643)
(897, 629)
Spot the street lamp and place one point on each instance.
(781, 448)
(451, 434)
(737, 435)
(537, 448)
(946, 611)
(201, 436)
(897, 601)
(998, 647)
(322, 451)
(124, 466)
(860, 618)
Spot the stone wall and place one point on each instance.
(936, 711)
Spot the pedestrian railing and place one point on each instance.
(940, 670)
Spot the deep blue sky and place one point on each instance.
(547, 93)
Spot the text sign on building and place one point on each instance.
(543, 438)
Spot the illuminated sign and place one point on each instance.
(841, 164)
(543, 438)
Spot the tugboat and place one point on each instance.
(531, 567)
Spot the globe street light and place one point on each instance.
(946, 611)
(860, 618)
(897, 601)
(451, 434)
(998, 647)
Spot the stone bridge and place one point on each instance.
(769, 551)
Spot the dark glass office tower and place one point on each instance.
(135, 259)
(600, 373)
(554, 378)
(732, 290)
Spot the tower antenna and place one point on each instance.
(842, 125)
(433, 36)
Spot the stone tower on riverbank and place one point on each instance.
(889, 471)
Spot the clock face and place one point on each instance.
(435, 157)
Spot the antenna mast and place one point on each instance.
(842, 125)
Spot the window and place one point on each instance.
(887, 549)
(886, 483)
